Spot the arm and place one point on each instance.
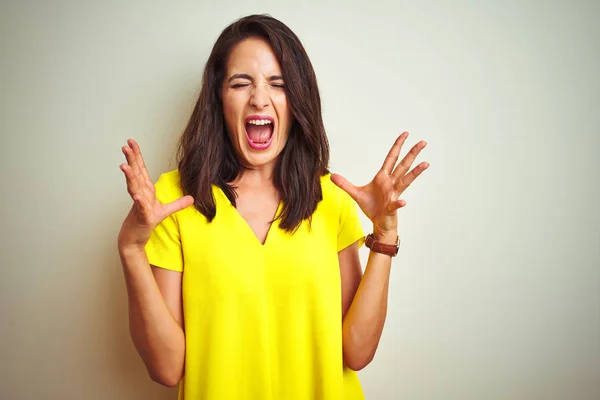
(155, 316)
(364, 301)
(155, 309)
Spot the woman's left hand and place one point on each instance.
(379, 199)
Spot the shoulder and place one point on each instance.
(336, 202)
(168, 186)
(332, 193)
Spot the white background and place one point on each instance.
(496, 291)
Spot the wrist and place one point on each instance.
(385, 229)
(131, 250)
(383, 244)
(385, 236)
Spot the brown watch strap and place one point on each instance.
(377, 247)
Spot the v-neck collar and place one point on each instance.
(224, 200)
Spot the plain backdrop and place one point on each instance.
(496, 291)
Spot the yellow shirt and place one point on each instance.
(262, 322)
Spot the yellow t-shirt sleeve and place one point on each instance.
(349, 229)
(164, 247)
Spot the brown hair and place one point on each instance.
(205, 153)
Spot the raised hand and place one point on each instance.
(147, 212)
(379, 199)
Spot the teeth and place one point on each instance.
(259, 121)
(259, 142)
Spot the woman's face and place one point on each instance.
(257, 114)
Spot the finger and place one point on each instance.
(396, 204)
(133, 175)
(408, 160)
(178, 205)
(140, 182)
(131, 157)
(407, 179)
(345, 185)
(392, 156)
(139, 196)
(129, 178)
(141, 163)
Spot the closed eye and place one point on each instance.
(242, 85)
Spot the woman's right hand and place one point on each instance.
(147, 212)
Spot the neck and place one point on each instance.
(256, 177)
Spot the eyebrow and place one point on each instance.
(246, 76)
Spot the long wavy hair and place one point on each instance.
(205, 154)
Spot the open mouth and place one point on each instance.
(259, 133)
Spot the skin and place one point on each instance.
(254, 85)
(364, 318)
(251, 87)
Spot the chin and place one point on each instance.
(253, 160)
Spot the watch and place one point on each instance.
(378, 247)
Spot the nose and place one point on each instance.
(259, 97)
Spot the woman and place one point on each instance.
(242, 265)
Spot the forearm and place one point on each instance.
(363, 323)
(157, 336)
